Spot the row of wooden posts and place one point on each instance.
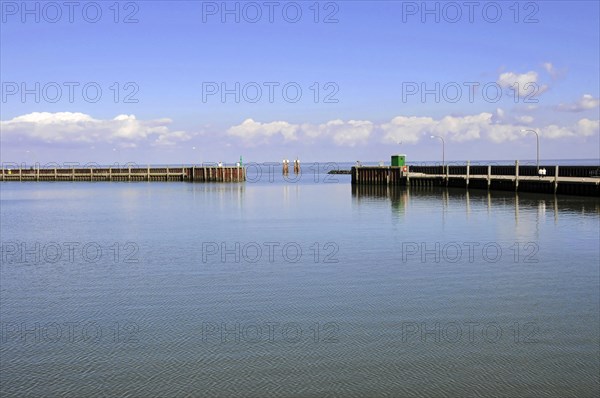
(585, 180)
(541, 172)
(286, 166)
(192, 174)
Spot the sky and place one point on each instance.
(172, 82)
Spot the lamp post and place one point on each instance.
(443, 149)
(537, 141)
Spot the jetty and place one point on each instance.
(562, 180)
(189, 173)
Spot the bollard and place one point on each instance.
(286, 167)
(516, 175)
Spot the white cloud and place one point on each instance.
(586, 102)
(341, 133)
(463, 128)
(69, 127)
(406, 129)
(515, 118)
(584, 128)
(526, 84)
(255, 132)
(495, 128)
(525, 119)
(128, 131)
(499, 127)
(172, 138)
(551, 70)
(503, 132)
(456, 128)
(553, 132)
(587, 127)
(548, 67)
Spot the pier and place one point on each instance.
(562, 180)
(128, 174)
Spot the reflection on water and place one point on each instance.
(399, 198)
(377, 320)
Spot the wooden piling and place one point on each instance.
(286, 167)
(468, 172)
(447, 174)
(516, 175)
(576, 180)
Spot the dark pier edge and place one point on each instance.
(128, 174)
(559, 180)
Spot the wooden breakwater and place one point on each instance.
(187, 173)
(563, 180)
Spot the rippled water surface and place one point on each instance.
(296, 289)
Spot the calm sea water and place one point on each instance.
(305, 289)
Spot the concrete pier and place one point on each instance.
(564, 180)
(189, 173)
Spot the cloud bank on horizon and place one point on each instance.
(128, 131)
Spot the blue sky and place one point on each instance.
(525, 65)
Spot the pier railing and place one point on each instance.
(510, 170)
(189, 173)
(575, 180)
